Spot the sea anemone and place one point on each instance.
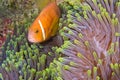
(23, 60)
(20, 59)
(88, 50)
(15, 12)
(91, 34)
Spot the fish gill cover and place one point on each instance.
(89, 48)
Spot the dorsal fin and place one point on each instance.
(41, 4)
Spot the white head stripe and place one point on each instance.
(43, 31)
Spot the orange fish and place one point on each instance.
(45, 25)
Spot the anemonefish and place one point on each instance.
(45, 25)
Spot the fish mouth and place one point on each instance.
(31, 39)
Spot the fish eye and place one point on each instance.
(36, 31)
